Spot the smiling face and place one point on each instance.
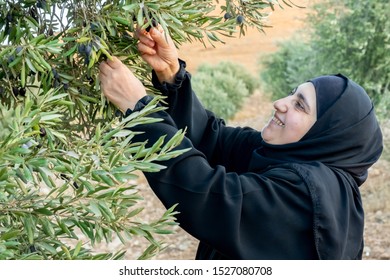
(294, 116)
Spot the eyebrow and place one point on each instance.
(302, 97)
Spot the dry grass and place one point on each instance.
(376, 191)
(376, 200)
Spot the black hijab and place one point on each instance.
(340, 147)
(346, 134)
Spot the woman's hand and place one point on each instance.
(119, 84)
(159, 51)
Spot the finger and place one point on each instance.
(146, 39)
(104, 68)
(144, 49)
(114, 63)
(142, 34)
(159, 37)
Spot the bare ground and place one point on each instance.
(246, 50)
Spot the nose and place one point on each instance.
(281, 105)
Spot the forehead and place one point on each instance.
(307, 87)
(308, 90)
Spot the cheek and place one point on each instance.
(297, 129)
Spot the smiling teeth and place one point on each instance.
(278, 122)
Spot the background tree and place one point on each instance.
(68, 166)
(350, 37)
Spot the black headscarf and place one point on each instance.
(346, 134)
(328, 90)
(344, 141)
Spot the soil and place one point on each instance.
(247, 50)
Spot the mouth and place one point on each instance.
(277, 121)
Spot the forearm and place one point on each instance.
(183, 105)
(221, 145)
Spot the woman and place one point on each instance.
(290, 191)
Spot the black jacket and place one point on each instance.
(241, 203)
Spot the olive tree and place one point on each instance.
(68, 165)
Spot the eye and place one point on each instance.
(300, 106)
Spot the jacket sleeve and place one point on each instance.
(243, 216)
(221, 145)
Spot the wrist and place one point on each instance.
(139, 105)
(168, 75)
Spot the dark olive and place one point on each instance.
(22, 91)
(18, 49)
(88, 49)
(81, 49)
(240, 19)
(42, 131)
(15, 91)
(32, 249)
(75, 185)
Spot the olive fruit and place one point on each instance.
(32, 249)
(9, 17)
(10, 59)
(75, 185)
(88, 49)
(18, 49)
(118, 113)
(41, 4)
(227, 16)
(240, 19)
(81, 49)
(55, 73)
(22, 91)
(42, 132)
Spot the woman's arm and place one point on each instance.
(233, 213)
(247, 216)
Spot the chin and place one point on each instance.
(265, 135)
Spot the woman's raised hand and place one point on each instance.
(119, 84)
(159, 51)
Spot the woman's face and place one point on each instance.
(293, 117)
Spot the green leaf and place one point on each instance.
(30, 65)
(45, 246)
(94, 207)
(123, 133)
(9, 234)
(121, 20)
(44, 211)
(29, 228)
(77, 249)
(32, 22)
(49, 117)
(106, 211)
(130, 7)
(16, 61)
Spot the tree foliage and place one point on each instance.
(222, 88)
(68, 165)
